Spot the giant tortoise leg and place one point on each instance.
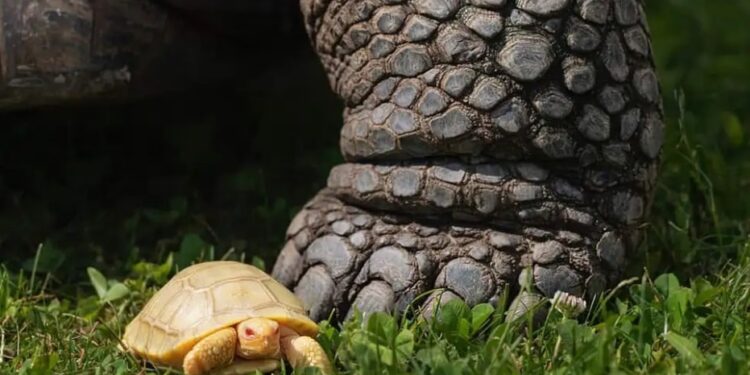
(340, 258)
(481, 138)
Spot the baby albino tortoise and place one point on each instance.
(225, 318)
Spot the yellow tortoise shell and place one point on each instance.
(205, 298)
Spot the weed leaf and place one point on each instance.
(98, 281)
(684, 346)
(117, 291)
(479, 315)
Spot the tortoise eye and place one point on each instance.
(249, 332)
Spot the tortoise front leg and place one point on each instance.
(491, 146)
(303, 351)
(214, 351)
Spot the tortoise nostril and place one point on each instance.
(249, 332)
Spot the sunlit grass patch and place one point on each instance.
(647, 325)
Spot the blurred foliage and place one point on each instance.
(109, 186)
(702, 53)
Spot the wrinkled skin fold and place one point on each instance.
(491, 145)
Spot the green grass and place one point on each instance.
(644, 326)
(684, 308)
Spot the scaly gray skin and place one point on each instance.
(491, 145)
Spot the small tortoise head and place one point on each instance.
(258, 338)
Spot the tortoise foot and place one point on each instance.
(340, 259)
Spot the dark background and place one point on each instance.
(108, 184)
